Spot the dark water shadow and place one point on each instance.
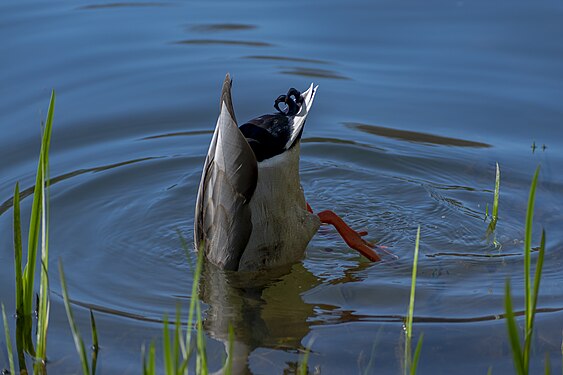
(223, 42)
(339, 141)
(217, 27)
(123, 5)
(471, 255)
(110, 311)
(177, 134)
(412, 136)
(29, 191)
(313, 73)
(336, 316)
(329, 140)
(285, 58)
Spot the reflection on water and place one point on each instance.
(286, 58)
(125, 5)
(266, 309)
(177, 134)
(217, 27)
(411, 136)
(313, 73)
(225, 42)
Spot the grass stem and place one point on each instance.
(409, 364)
(78, 342)
(8, 342)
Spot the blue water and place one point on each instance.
(417, 101)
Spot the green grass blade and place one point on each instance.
(304, 364)
(547, 364)
(43, 300)
(35, 219)
(177, 339)
(494, 217)
(48, 129)
(416, 356)
(43, 314)
(78, 343)
(18, 252)
(23, 338)
(187, 249)
(183, 366)
(194, 299)
(183, 351)
(413, 285)
(534, 298)
(527, 271)
(95, 343)
(144, 360)
(8, 342)
(528, 247)
(497, 193)
(167, 355)
(202, 367)
(537, 275)
(513, 332)
(149, 364)
(410, 313)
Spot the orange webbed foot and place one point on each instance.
(352, 238)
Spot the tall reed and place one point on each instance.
(521, 353)
(38, 239)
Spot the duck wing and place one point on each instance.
(222, 219)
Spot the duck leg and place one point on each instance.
(352, 238)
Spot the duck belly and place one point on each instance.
(281, 225)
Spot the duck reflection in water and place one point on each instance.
(265, 309)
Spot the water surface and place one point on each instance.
(416, 104)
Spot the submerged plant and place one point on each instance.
(521, 353)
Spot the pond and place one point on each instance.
(417, 102)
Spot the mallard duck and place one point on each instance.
(251, 213)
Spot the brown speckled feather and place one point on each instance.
(223, 218)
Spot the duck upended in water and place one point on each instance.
(251, 213)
